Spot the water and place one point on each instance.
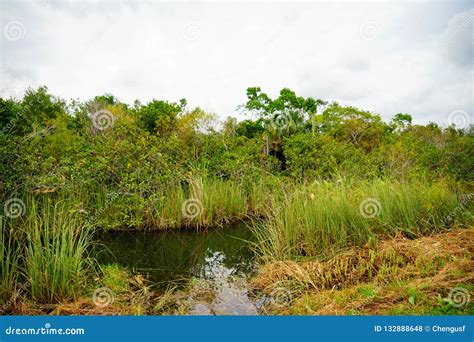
(212, 265)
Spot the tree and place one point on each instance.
(40, 107)
(106, 100)
(229, 127)
(362, 128)
(282, 116)
(12, 120)
(160, 117)
(400, 122)
(250, 128)
(285, 114)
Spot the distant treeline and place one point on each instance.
(46, 142)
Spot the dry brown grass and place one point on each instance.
(396, 257)
(128, 304)
(136, 298)
(431, 265)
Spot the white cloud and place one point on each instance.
(388, 58)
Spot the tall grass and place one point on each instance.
(56, 262)
(197, 203)
(10, 252)
(321, 218)
(201, 203)
(49, 247)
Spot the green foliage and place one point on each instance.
(324, 217)
(286, 113)
(140, 171)
(153, 148)
(159, 117)
(106, 99)
(45, 143)
(363, 129)
(115, 278)
(12, 120)
(10, 252)
(325, 157)
(250, 129)
(39, 107)
(400, 121)
(55, 261)
(261, 102)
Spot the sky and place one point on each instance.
(384, 57)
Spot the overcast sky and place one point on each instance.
(389, 57)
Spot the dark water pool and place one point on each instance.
(218, 260)
(178, 255)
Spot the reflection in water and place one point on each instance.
(230, 294)
(216, 261)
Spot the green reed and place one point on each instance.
(320, 218)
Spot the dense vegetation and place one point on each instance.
(313, 176)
